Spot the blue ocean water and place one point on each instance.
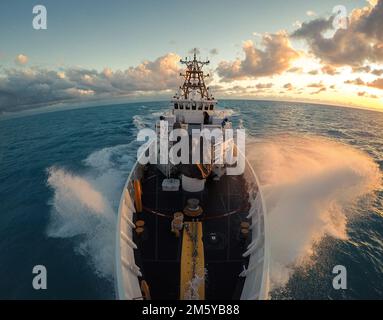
(61, 175)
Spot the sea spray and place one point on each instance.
(308, 182)
(138, 122)
(85, 205)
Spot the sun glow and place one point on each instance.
(310, 80)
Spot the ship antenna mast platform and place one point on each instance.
(194, 79)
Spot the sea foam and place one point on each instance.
(85, 205)
(308, 182)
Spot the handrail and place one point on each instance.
(126, 280)
(247, 292)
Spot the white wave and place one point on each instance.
(226, 112)
(117, 157)
(308, 183)
(158, 114)
(85, 205)
(139, 122)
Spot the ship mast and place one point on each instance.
(194, 78)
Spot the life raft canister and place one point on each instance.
(137, 195)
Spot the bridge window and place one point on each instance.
(176, 106)
(194, 107)
(211, 106)
(200, 106)
(187, 107)
(181, 106)
(206, 107)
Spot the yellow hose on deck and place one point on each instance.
(192, 282)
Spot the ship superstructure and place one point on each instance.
(190, 229)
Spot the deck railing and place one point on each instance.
(256, 285)
(127, 272)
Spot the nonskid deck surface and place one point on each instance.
(159, 251)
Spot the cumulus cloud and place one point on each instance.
(361, 42)
(377, 72)
(367, 95)
(32, 87)
(21, 59)
(330, 70)
(295, 70)
(313, 72)
(297, 24)
(274, 57)
(365, 69)
(378, 83)
(107, 72)
(288, 86)
(310, 13)
(20, 89)
(319, 91)
(315, 85)
(372, 2)
(357, 82)
(264, 85)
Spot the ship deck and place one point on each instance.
(225, 204)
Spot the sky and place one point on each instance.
(104, 50)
